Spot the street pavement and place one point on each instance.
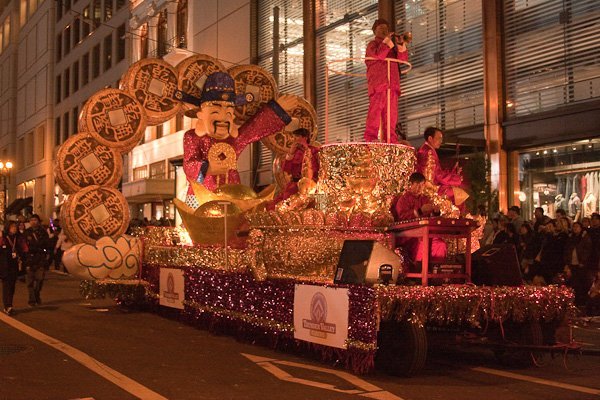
(70, 348)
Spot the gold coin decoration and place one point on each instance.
(255, 81)
(94, 212)
(192, 73)
(81, 161)
(303, 116)
(154, 84)
(222, 158)
(114, 118)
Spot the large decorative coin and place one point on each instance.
(114, 118)
(192, 73)
(154, 84)
(94, 212)
(303, 116)
(81, 161)
(257, 84)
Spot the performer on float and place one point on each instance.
(381, 47)
(210, 151)
(302, 161)
(428, 164)
(413, 203)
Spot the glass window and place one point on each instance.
(108, 9)
(65, 131)
(344, 31)
(107, 52)
(96, 61)
(75, 119)
(157, 170)
(562, 176)
(67, 40)
(162, 45)
(58, 89)
(76, 31)
(121, 42)
(140, 173)
(58, 47)
(144, 41)
(551, 53)
(182, 16)
(445, 86)
(85, 69)
(66, 83)
(57, 138)
(75, 76)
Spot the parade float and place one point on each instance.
(317, 272)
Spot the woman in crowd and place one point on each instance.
(550, 257)
(528, 248)
(577, 255)
(12, 248)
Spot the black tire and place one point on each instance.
(402, 348)
(528, 333)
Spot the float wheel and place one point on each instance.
(402, 348)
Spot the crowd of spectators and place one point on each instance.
(554, 251)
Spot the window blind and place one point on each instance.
(552, 49)
(291, 53)
(445, 86)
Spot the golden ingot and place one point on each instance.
(207, 224)
(232, 193)
(216, 209)
(236, 191)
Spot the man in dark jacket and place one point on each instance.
(35, 261)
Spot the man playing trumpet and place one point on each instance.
(386, 44)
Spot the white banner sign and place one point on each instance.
(171, 287)
(321, 315)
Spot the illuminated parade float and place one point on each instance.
(315, 263)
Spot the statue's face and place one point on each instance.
(216, 120)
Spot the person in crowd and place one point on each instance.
(560, 213)
(501, 235)
(63, 244)
(528, 249)
(386, 44)
(302, 161)
(53, 230)
(513, 235)
(564, 224)
(586, 222)
(429, 165)
(592, 307)
(414, 204)
(539, 218)
(12, 249)
(594, 233)
(550, 257)
(514, 216)
(35, 262)
(577, 257)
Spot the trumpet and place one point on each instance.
(405, 37)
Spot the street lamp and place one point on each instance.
(5, 168)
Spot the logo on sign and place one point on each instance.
(317, 324)
(170, 293)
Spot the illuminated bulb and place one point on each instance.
(545, 151)
(537, 153)
(574, 148)
(555, 151)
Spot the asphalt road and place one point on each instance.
(72, 349)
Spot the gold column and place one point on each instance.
(310, 52)
(493, 102)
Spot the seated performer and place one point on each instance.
(414, 204)
(381, 47)
(301, 162)
(428, 164)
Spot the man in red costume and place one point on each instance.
(301, 162)
(211, 150)
(428, 164)
(380, 48)
(414, 204)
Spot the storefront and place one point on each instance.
(562, 176)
